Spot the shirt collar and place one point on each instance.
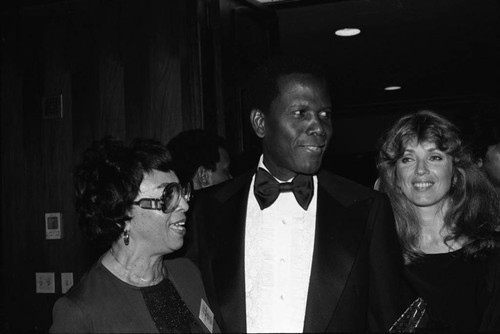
(263, 166)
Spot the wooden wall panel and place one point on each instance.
(54, 173)
(13, 166)
(110, 35)
(124, 68)
(190, 65)
(166, 111)
(137, 92)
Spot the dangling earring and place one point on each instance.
(126, 238)
(454, 181)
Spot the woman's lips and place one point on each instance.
(422, 185)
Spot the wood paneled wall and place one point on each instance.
(124, 68)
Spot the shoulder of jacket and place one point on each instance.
(344, 190)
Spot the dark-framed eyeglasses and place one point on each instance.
(169, 200)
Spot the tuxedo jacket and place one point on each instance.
(356, 276)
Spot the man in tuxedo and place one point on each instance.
(288, 247)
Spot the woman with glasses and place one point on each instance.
(128, 197)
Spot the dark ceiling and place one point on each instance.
(434, 49)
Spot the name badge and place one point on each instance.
(206, 315)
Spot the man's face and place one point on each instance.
(221, 172)
(297, 127)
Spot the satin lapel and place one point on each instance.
(337, 238)
(228, 260)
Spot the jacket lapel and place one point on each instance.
(337, 238)
(228, 258)
(338, 234)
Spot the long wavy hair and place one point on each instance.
(108, 180)
(474, 211)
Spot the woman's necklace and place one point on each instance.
(137, 279)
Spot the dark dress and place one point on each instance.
(461, 295)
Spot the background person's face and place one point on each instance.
(221, 172)
(425, 174)
(297, 127)
(491, 164)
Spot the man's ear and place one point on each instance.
(257, 119)
(204, 176)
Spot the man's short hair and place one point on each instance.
(191, 149)
(262, 87)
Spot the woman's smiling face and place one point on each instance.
(424, 174)
(161, 232)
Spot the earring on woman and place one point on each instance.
(126, 238)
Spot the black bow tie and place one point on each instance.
(267, 189)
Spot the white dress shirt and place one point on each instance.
(279, 243)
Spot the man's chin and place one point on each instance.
(309, 169)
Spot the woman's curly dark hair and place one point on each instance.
(475, 210)
(108, 180)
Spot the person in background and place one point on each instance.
(447, 217)
(200, 157)
(129, 197)
(485, 136)
(286, 247)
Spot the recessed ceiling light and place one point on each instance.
(347, 32)
(392, 88)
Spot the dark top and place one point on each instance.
(102, 303)
(461, 295)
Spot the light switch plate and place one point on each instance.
(45, 283)
(52, 106)
(53, 225)
(66, 282)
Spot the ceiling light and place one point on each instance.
(392, 88)
(347, 32)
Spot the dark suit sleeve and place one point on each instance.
(389, 294)
(197, 250)
(187, 279)
(192, 239)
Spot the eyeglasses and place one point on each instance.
(169, 200)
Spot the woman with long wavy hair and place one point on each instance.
(448, 219)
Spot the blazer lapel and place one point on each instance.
(336, 240)
(228, 258)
